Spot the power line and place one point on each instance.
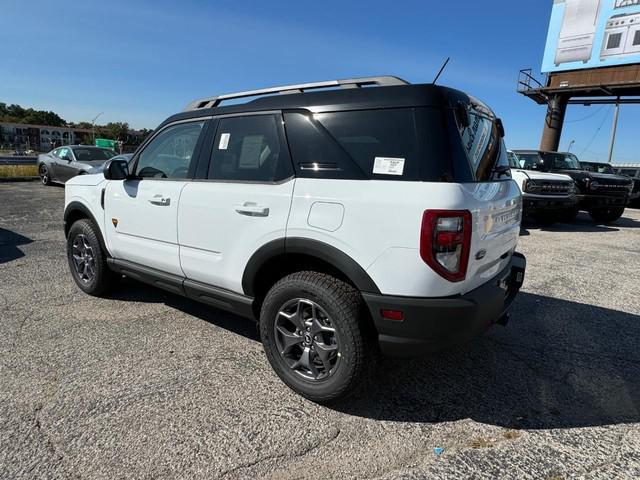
(596, 132)
(592, 114)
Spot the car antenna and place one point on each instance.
(444, 65)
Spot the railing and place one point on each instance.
(527, 82)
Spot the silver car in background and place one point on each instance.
(63, 163)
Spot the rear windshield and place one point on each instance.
(481, 138)
(91, 154)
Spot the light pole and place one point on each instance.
(570, 145)
(93, 126)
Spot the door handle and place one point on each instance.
(252, 209)
(160, 200)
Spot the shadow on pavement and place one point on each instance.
(558, 364)
(133, 291)
(9, 243)
(583, 223)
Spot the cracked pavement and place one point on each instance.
(145, 384)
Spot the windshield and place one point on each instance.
(513, 160)
(560, 161)
(597, 167)
(92, 154)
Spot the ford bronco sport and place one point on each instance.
(345, 217)
(603, 196)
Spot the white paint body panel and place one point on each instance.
(147, 232)
(216, 241)
(381, 228)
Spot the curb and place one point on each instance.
(18, 179)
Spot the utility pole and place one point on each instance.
(93, 127)
(614, 129)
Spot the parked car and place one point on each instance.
(631, 170)
(63, 163)
(604, 196)
(343, 220)
(546, 197)
(99, 169)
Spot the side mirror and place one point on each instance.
(116, 170)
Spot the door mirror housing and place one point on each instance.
(116, 170)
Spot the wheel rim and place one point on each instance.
(83, 259)
(307, 340)
(44, 174)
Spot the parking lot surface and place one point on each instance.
(145, 384)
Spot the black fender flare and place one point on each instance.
(79, 207)
(312, 248)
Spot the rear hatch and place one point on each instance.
(493, 198)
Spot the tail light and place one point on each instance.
(445, 241)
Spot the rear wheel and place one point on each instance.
(312, 336)
(45, 176)
(87, 260)
(606, 215)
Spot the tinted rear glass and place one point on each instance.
(383, 144)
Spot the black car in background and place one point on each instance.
(603, 195)
(631, 170)
(62, 163)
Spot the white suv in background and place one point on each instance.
(343, 220)
(546, 197)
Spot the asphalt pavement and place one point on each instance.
(145, 384)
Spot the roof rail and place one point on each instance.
(210, 102)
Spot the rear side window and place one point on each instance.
(382, 144)
(249, 149)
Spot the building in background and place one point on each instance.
(43, 138)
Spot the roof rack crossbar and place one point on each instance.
(210, 102)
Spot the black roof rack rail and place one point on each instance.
(382, 81)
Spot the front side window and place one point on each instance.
(64, 154)
(170, 153)
(249, 149)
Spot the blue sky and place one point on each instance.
(140, 61)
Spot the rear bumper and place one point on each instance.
(532, 204)
(432, 324)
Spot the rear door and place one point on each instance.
(242, 204)
(141, 214)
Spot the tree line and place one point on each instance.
(16, 114)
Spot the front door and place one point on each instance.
(64, 164)
(243, 204)
(141, 213)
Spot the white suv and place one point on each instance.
(546, 197)
(343, 219)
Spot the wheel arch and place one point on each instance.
(280, 257)
(77, 211)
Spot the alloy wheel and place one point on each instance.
(307, 340)
(44, 175)
(83, 258)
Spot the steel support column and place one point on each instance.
(553, 122)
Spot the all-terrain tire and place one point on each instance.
(87, 260)
(346, 312)
(607, 214)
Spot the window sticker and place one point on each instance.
(224, 141)
(250, 152)
(388, 166)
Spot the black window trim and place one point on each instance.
(133, 163)
(207, 153)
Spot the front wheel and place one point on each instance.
(310, 326)
(569, 215)
(45, 176)
(546, 218)
(87, 260)
(607, 214)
